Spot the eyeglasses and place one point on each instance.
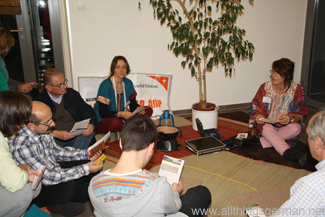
(49, 122)
(272, 71)
(61, 84)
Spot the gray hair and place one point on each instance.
(47, 77)
(317, 126)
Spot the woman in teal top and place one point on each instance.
(6, 42)
(3, 82)
(116, 98)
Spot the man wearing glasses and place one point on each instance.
(68, 107)
(67, 170)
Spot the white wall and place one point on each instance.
(106, 28)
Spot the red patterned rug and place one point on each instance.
(227, 128)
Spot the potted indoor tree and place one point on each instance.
(203, 41)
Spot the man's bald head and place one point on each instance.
(38, 108)
(40, 121)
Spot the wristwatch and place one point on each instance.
(292, 118)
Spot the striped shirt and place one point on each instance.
(114, 187)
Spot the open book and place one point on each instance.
(139, 110)
(270, 121)
(171, 168)
(80, 127)
(98, 146)
(37, 179)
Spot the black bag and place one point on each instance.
(209, 132)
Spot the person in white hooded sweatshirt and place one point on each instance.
(129, 190)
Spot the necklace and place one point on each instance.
(115, 94)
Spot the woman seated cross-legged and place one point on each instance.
(115, 95)
(282, 103)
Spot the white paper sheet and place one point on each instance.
(171, 168)
(270, 121)
(139, 110)
(80, 127)
(38, 179)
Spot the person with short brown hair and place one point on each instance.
(16, 193)
(129, 190)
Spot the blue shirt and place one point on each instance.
(56, 100)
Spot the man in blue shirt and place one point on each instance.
(307, 194)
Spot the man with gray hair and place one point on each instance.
(307, 194)
(68, 108)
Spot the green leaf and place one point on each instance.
(250, 55)
(192, 71)
(162, 20)
(196, 62)
(216, 22)
(206, 35)
(210, 63)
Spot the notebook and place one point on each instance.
(205, 145)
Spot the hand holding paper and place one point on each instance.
(270, 121)
(94, 166)
(80, 127)
(97, 148)
(37, 179)
(139, 109)
(171, 168)
(177, 187)
(90, 129)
